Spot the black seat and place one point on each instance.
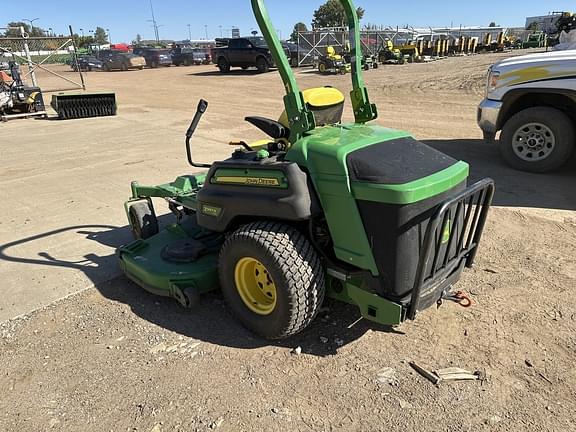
(272, 128)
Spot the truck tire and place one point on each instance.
(539, 139)
(262, 65)
(272, 279)
(187, 62)
(223, 65)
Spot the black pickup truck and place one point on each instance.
(244, 53)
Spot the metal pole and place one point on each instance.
(154, 23)
(189, 33)
(28, 57)
(206, 30)
(75, 58)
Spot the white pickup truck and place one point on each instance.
(532, 100)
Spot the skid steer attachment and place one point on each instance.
(83, 105)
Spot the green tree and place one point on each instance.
(83, 41)
(332, 14)
(492, 24)
(100, 36)
(14, 29)
(298, 27)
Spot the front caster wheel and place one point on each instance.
(271, 278)
(143, 221)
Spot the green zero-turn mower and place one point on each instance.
(355, 211)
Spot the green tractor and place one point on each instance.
(353, 211)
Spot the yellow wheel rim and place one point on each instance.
(322, 67)
(255, 286)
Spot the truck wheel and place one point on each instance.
(187, 62)
(262, 65)
(223, 65)
(154, 64)
(538, 139)
(143, 221)
(271, 278)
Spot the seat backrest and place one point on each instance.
(326, 103)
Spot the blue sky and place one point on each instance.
(126, 18)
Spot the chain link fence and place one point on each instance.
(47, 55)
(313, 44)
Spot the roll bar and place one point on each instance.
(300, 117)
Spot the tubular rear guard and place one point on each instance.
(439, 266)
(438, 270)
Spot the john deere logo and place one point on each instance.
(250, 181)
(262, 181)
(447, 231)
(211, 211)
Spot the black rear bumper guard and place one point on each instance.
(459, 249)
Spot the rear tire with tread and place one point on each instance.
(295, 268)
(564, 136)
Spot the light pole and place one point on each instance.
(206, 30)
(50, 31)
(220, 31)
(154, 23)
(109, 37)
(31, 21)
(157, 32)
(189, 32)
(82, 30)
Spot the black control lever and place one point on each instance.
(202, 107)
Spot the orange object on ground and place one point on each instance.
(5, 77)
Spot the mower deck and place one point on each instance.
(186, 270)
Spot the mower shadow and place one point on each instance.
(209, 321)
(513, 188)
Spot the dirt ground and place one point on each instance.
(110, 357)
